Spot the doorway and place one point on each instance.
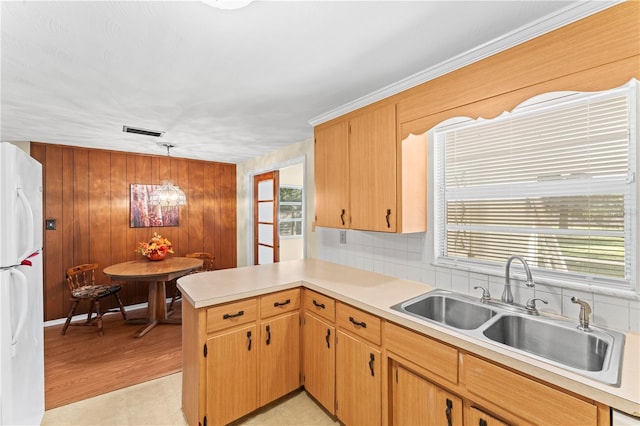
(278, 215)
(266, 246)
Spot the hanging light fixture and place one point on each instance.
(167, 195)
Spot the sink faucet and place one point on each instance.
(585, 311)
(507, 296)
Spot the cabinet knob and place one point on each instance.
(387, 218)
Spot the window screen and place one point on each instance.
(553, 182)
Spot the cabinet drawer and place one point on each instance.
(425, 352)
(359, 323)
(280, 302)
(320, 304)
(231, 314)
(532, 401)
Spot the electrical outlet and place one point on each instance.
(343, 237)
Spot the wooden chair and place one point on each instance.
(207, 265)
(81, 282)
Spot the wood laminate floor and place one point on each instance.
(82, 364)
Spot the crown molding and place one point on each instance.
(565, 16)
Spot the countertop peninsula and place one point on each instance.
(376, 293)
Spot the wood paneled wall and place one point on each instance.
(87, 192)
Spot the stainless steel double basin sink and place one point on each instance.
(596, 354)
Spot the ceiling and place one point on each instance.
(230, 85)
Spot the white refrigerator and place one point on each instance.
(21, 312)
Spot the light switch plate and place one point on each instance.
(343, 237)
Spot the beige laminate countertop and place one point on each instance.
(376, 293)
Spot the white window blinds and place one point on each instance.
(553, 182)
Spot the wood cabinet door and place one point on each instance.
(416, 401)
(411, 396)
(372, 155)
(358, 382)
(476, 417)
(446, 408)
(232, 375)
(279, 356)
(332, 175)
(319, 354)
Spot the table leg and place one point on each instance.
(157, 309)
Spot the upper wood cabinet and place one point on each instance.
(332, 175)
(372, 155)
(365, 178)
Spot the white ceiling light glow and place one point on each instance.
(227, 4)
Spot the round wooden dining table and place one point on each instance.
(156, 273)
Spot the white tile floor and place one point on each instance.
(158, 403)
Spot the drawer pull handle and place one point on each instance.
(318, 305)
(268, 335)
(342, 216)
(327, 338)
(371, 360)
(277, 304)
(448, 411)
(249, 340)
(227, 316)
(358, 324)
(387, 217)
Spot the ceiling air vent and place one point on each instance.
(139, 131)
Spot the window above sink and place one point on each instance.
(553, 181)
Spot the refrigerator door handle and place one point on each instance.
(30, 226)
(24, 305)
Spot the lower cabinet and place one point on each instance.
(319, 354)
(239, 356)
(358, 382)
(242, 355)
(232, 366)
(279, 356)
(417, 401)
(359, 372)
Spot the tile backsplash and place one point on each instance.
(408, 256)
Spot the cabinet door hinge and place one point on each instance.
(336, 405)
(397, 375)
(204, 350)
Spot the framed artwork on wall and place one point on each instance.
(144, 215)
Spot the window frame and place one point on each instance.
(627, 287)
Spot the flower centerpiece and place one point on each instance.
(156, 249)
